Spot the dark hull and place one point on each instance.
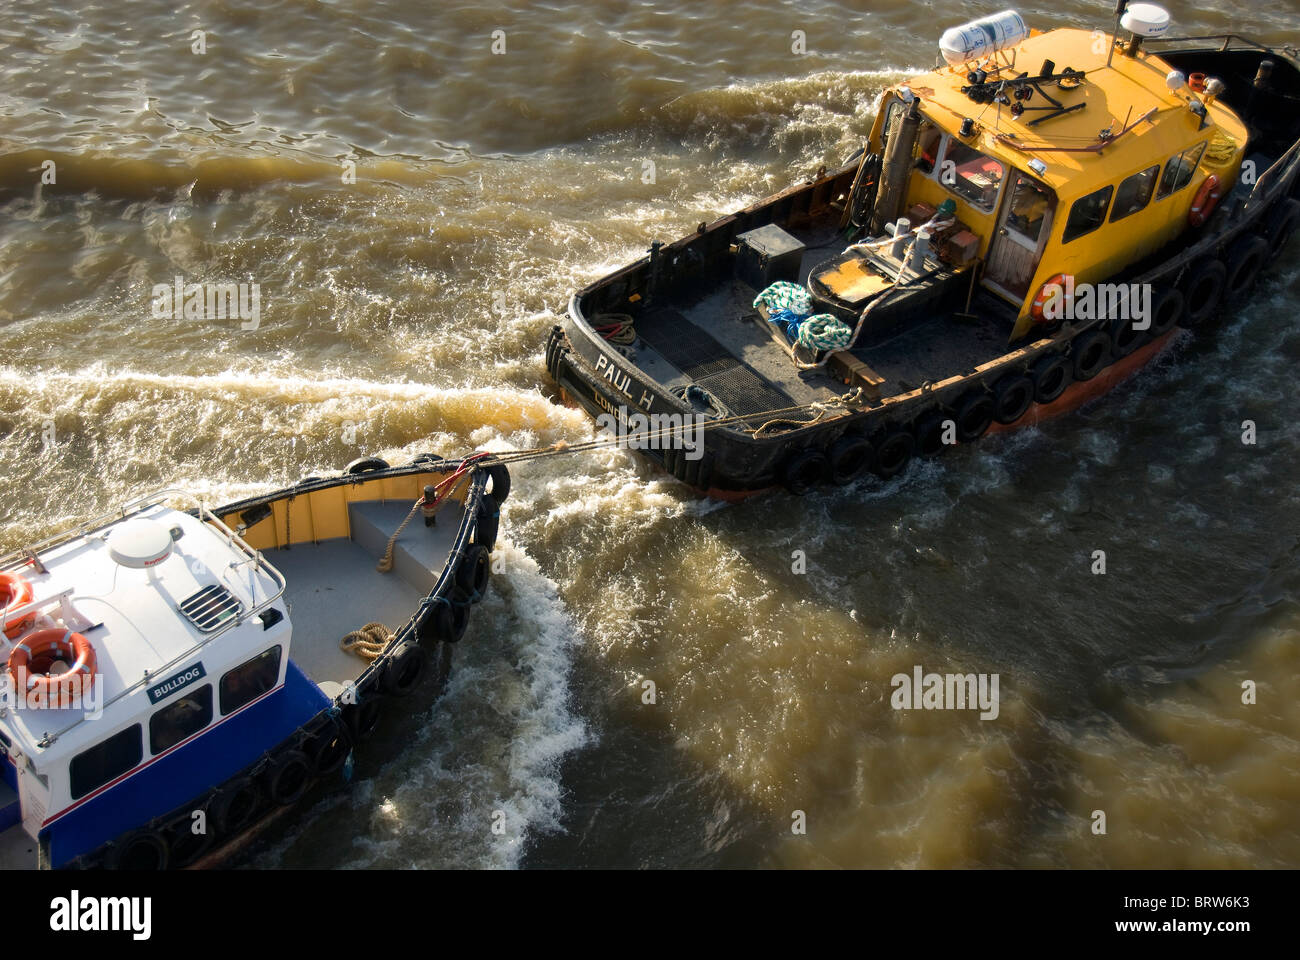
(850, 440)
(246, 804)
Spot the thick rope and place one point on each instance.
(386, 561)
(615, 328)
(368, 642)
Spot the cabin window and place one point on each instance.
(973, 176)
(1179, 170)
(180, 719)
(894, 109)
(1134, 193)
(250, 680)
(106, 761)
(1087, 214)
(1030, 204)
(928, 142)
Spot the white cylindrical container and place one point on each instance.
(982, 37)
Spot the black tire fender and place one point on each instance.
(850, 457)
(1202, 288)
(139, 850)
(365, 465)
(1246, 258)
(929, 429)
(1090, 352)
(472, 571)
(1051, 374)
(327, 749)
(1282, 223)
(288, 777)
(363, 717)
(893, 453)
(405, 669)
(488, 524)
(1013, 395)
(804, 471)
(234, 807)
(499, 478)
(1167, 308)
(974, 415)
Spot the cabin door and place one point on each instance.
(1023, 226)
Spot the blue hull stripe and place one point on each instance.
(187, 771)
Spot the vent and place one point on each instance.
(211, 608)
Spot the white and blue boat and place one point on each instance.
(179, 675)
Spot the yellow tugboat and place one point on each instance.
(1027, 224)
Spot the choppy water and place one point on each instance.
(407, 310)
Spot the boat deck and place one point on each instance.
(713, 340)
(334, 586)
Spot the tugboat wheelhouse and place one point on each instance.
(916, 294)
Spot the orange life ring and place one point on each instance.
(37, 653)
(15, 592)
(1040, 301)
(1203, 204)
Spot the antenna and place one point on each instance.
(1114, 33)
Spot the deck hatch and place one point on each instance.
(211, 608)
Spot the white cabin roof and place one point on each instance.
(132, 616)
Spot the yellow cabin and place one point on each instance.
(1084, 188)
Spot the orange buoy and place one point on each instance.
(15, 592)
(1203, 203)
(33, 659)
(1060, 281)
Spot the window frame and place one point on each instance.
(76, 778)
(278, 650)
(950, 142)
(1109, 190)
(1161, 192)
(1155, 182)
(154, 749)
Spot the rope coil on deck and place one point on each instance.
(368, 642)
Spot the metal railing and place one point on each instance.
(132, 508)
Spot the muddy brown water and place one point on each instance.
(406, 312)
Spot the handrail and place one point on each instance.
(231, 538)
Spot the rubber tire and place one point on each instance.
(928, 430)
(850, 457)
(472, 572)
(500, 478)
(488, 524)
(1013, 395)
(1246, 258)
(893, 453)
(405, 669)
(804, 471)
(363, 717)
(288, 778)
(1123, 338)
(241, 796)
(1094, 344)
(974, 416)
(446, 622)
(179, 857)
(426, 458)
(328, 748)
(1051, 375)
(1282, 223)
(365, 465)
(1167, 308)
(148, 842)
(1202, 289)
